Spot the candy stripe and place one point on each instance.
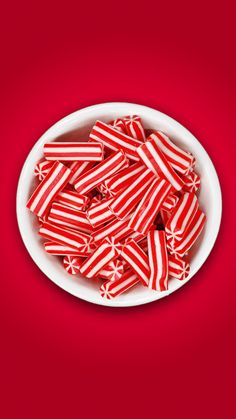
(54, 248)
(51, 185)
(158, 260)
(119, 125)
(102, 171)
(134, 127)
(100, 213)
(60, 235)
(112, 271)
(115, 140)
(69, 217)
(42, 168)
(78, 168)
(72, 264)
(170, 202)
(72, 199)
(192, 182)
(104, 254)
(112, 289)
(149, 206)
(73, 151)
(126, 200)
(178, 268)
(123, 179)
(155, 160)
(136, 259)
(116, 228)
(179, 159)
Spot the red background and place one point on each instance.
(65, 358)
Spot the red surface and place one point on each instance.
(65, 358)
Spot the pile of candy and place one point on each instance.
(121, 207)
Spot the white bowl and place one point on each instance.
(76, 126)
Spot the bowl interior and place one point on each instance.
(77, 127)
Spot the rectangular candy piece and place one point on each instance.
(119, 125)
(149, 206)
(111, 289)
(78, 168)
(55, 180)
(69, 217)
(192, 182)
(179, 159)
(126, 200)
(115, 140)
(54, 248)
(155, 160)
(191, 234)
(72, 199)
(178, 267)
(73, 151)
(42, 168)
(108, 250)
(100, 213)
(158, 260)
(112, 271)
(134, 127)
(137, 260)
(108, 167)
(116, 228)
(72, 264)
(170, 202)
(77, 240)
(181, 216)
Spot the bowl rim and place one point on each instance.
(116, 302)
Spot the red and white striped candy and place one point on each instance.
(73, 151)
(69, 217)
(126, 200)
(149, 206)
(42, 168)
(115, 140)
(156, 161)
(137, 260)
(181, 217)
(191, 234)
(170, 202)
(134, 127)
(54, 248)
(78, 168)
(158, 260)
(72, 264)
(72, 199)
(192, 182)
(137, 237)
(116, 228)
(100, 213)
(95, 201)
(109, 250)
(102, 171)
(55, 180)
(77, 240)
(112, 271)
(179, 159)
(119, 125)
(111, 289)
(178, 267)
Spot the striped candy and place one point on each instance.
(137, 260)
(179, 159)
(112, 271)
(100, 213)
(105, 253)
(149, 206)
(73, 151)
(115, 140)
(155, 160)
(134, 127)
(78, 168)
(77, 240)
(55, 180)
(119, 125)
(42, 168)
(158, 260)
(116, 228)
(178, 267)
(54, 248)
(72, 264)
(181, 217)
(69, 217)
(111, 289)
(170, 202)
(72, 199)
(102, 171)
(192, 182)
(126, 200)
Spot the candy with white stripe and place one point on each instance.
(102, 171)
(158, 260)
(134, 127)
(170, 202)
(192, 182)
(178, 267)
(137, 260)
(69, 217)
(72, 264)
(73, 151)
(54, 248)
(112, 271)
(42, 168)
(108, 250)
(78, 168)
(116, 228)
(100, 213)
(55, 180)
(77, 240)
(149, 206)
(73, 199)
(156, 161)
(111, 289)
(119, 125)
(115, 140)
